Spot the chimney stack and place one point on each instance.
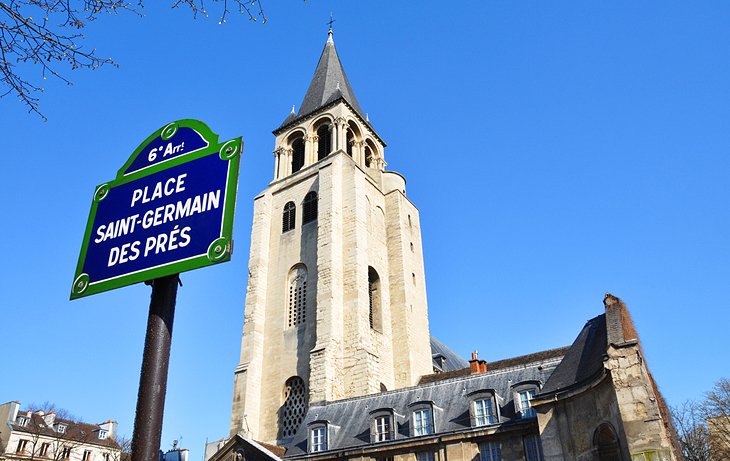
(476, 365)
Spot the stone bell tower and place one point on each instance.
(336, 298)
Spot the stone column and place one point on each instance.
(307, 151)
(315, 149)
(358, 153)
(286, 170)
(277, 163)
(341, 125)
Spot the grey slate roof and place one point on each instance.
(349, 420)
(453, 360)
(584, 360)
(328, 84)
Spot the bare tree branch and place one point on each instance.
(47, 34)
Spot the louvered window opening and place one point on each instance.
(297, 159)
(289, 217)
(324, 144)
(297, 303)
(309, 213)
(295, 406)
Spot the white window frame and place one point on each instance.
(422, 419)
(22, 446)
(61, 428)
(485, 411)
(318, 439)
(490, 451)
(22, 421)
(383, 428)
(528, 411)
(103, 434)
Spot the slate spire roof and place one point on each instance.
(328, 84)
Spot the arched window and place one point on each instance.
(289, 217)
(292, 411)
(350, 140)
(309, 206)
(297, 158)
(368, 156)
(324, 145)
(297, 309)
(606, 443)
(374, 299)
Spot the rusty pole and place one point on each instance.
(153, 377)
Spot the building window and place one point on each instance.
(22, 421)
(383, 428)
(374, 300)
(297, 295)
(86, 456)
(490, 451)
(309, 208)
(484, 412)
(324, 144)
(318, 439)
(65, 453)
(523, 403)
(44, 449)
(60, 428)
(105, 456)
(103, 434)
(349, 140)
(297, 157)
(22, 444)
(422, 422)
(425, 456)
(289, 217)
(606, 443)
(368, 156)
(533, 448)
(294, 407)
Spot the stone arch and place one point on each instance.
(371, 153)
(293, 408)
(605, 442)
(353, 135)
(323, 127)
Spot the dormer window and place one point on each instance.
(60, 428)
(422, 418)
(22, 421)
(382, 425)
(483, 408)
(523, 394)
(103, 434)
(484, 412)
(318, 438)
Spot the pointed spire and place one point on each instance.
(328, 84)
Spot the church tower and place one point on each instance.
(336, 299)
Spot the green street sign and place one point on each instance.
(169, 210)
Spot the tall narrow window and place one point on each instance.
(297, 295)
(374, 295)
(309, 206)
(324, 144)
(318, 440)
(297, 158)
(86, 456)
(490, 451)
(533, 448)
(44, 449)
(289, 217)
(350, 140)
(368, 156)
(484, 412)
(422, 422)
(383, 428)
(294, 407)
(22, 444)
(523, 402)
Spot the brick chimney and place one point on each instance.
(476, 365)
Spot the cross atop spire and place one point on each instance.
(330, 33)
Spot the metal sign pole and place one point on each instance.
(153, 377)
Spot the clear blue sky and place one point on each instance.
(556, 151)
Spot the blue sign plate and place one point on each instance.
(162, 216)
